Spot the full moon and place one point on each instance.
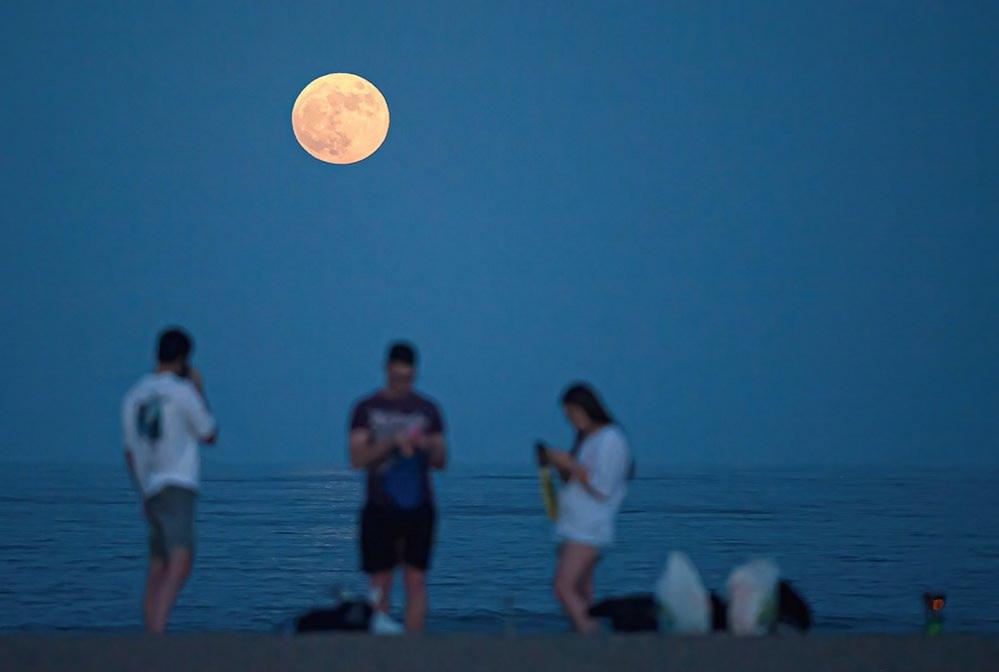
(340, 118)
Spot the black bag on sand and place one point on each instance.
(640, 613)
(351, 615)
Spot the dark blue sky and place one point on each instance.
(767, 233)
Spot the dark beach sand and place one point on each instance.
(246, 653)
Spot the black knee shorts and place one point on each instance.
(390, 537)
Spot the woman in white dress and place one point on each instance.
(595, 473)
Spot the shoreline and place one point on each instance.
(444, 653)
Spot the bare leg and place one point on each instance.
(154, 580)
(175, 573)
(586, 585)
(416, 597)
(382, 582)
(575, 564)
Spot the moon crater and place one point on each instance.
(340, 118)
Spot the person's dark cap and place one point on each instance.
(173, 344)
(402, 352)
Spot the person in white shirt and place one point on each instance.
(596, 473)
(164, 418)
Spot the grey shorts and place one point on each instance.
(170, 514)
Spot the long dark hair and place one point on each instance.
(585, 397)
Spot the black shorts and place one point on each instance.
(393, 536)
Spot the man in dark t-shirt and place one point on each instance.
(397, 435)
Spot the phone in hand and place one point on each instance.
(541, 450)
(185, 370)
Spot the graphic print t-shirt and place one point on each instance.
(398, 482)
(163, 419)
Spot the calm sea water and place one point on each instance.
(861, 544)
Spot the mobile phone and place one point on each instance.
(541, 450)
(185, 370)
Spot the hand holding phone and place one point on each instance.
(404, 443)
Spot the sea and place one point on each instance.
(862, 545)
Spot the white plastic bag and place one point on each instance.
(752, 597)
(684, 605)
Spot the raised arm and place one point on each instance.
(199, 416)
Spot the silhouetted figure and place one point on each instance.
(397, 437)
(164, 418)
(595, 473)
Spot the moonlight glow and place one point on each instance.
(340, 118)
